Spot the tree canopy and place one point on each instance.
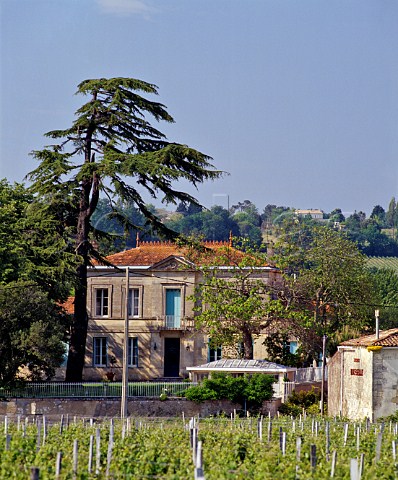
(232, 304)
(327, 285)
(32, 333)
(35, 274)
(385, 282)
(113, 149)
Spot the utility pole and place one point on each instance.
(125, 370)
(377, 313)
(323, 371)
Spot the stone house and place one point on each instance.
(363, 377)
(162, 339)
(315, 214)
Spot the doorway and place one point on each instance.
(171, 357)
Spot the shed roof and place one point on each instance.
(242, 366)
(387, 338)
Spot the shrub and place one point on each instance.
(251, 388)
(307, 400)
(259, 388)
(290, 409)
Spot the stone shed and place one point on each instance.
(363, 377)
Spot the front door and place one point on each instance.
(171, 357)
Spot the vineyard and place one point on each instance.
(214, 448)
(383, 262)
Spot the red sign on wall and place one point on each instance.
(357, 372)
(356, 360)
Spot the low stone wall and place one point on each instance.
(138, 407)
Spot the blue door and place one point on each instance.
(173, 308)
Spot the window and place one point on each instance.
(293, 347)
(65, 355)
(173, 307)
(133, 352)
(99, 351)
(214, 354)
(101, 302)
(133, 304)
(290, 347)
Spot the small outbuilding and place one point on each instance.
(363, 377)
(241, 367)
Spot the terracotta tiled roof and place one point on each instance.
(69, 305)
(150, 253)
(387, 338)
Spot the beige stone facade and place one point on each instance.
(363, 377)
(162, 339)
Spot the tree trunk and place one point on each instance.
(247, 344)
(77, 344)
(87, 205)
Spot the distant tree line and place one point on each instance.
(375, 236)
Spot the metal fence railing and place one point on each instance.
(311, 374)
(94, 389)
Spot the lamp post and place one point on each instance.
(125, 370)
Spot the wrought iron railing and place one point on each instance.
(176, 322)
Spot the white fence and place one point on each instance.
(303, 375)
(283, 390)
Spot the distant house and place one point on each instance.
(363, 377)
(313, 213)
(162, 339)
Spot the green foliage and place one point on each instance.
(278, 349)
(36, 271)
(32, 332)
(372, 242)
(232, 449)
(392, 214)
(327, 284)
(214, 224)
(385, 282)
(231, 304)
(251, 388)
(379, 215)
(299, 401)
(32, 248)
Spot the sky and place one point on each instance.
(296, 99)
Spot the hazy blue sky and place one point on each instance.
(296, 99)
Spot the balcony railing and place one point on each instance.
(175, 322)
